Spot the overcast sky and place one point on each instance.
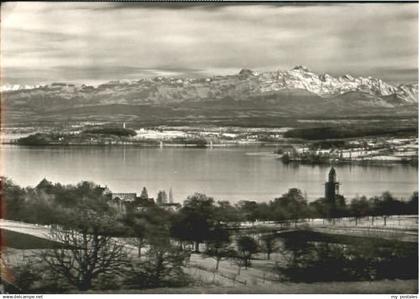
(94, 42)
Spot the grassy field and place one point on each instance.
(24, 241)
(249, 281)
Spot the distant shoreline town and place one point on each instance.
(291, 145)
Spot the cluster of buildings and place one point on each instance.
(397, 150)
(126, 202)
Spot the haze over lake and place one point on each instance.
(239, 173)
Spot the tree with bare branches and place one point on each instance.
(269, 244)
(162, 266)
(247, 246)
(87, 250)
(218, 246)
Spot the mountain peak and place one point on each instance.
(14, 87)
(300, 68)
(246, 73)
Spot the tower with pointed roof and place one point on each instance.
(171, 196)
(332, 186)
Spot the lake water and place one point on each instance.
(240, 173)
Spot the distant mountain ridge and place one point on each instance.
(299, 77)
(13, 87)
(325, 85)
(297, 91)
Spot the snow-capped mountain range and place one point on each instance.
(325, 85)
(14, 87)
(245, 83)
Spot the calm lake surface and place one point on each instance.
(240, 173)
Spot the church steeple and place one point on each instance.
(331, 186)
(171, 196)
(332, 176)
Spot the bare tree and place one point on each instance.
(220, 253)
(87, 251)
(269, 242)
(247, 246)
(162, 266)
(218, 247)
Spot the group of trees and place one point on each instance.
(96, 241)
(147, 247)
(347, 131)
(292, 206)
(383, 205)
(312, 257)
(121, 132)
(48, 203)
(201, 220)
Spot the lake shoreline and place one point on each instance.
(225, 173)
(366, 162)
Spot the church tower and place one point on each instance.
(331, 186)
